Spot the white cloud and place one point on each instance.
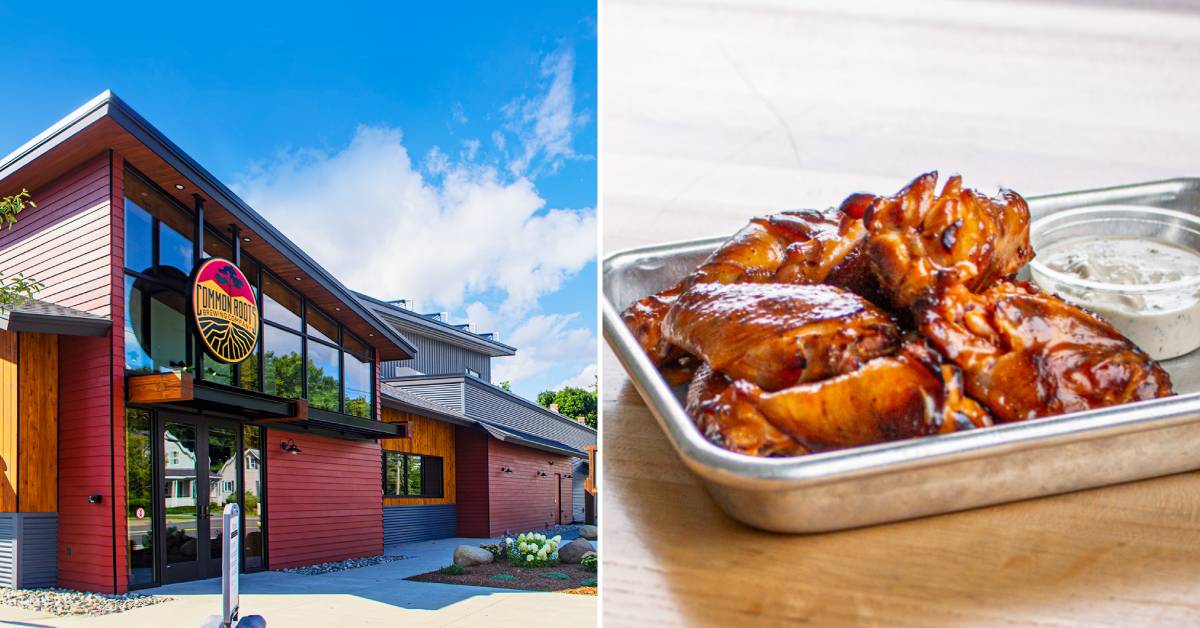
(470, 149)
(458, 114)
(585, 379)
(544, 342)
(369, 216)
(545, 125)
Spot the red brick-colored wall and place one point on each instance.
(523, 500)
(324, 503)
(471, 476)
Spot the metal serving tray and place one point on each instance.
(924, 476)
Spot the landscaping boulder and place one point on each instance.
(588, 532)
(573, 552)
(467, 556)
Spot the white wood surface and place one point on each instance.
(715, 111)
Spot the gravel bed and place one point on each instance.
(342, 565)
(71, 602)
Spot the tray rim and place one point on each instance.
(731, 469)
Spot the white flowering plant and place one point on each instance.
(532, 549)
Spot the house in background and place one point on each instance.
(477, 460)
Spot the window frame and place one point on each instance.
(402, 482)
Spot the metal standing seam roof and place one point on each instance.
(45, 317)
(420, 405)
(454, 333)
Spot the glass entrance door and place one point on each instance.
(200, 475)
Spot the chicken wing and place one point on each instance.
(1027, 354)
(917, 239)
(777, 335)
(739, 428)
(905, 395)
(804, 247)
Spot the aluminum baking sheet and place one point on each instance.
(924, 476)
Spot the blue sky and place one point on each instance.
(468, 133)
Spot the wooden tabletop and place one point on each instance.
(715, 111)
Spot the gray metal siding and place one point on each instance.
(579, 472)
(435, 357)
(28, 549)
(483, 402)
(406, 524)
(447, 394)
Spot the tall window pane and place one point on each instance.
(248, 372)
(414, 475)
(179, 491)
(139, 494)
(280, 305)
(281, 362)
(321, 326)
(323, 384)
(219, 372)
(136, 357)
(174, 250)
(252, 499)
(216, 247)
(168, 328)
(358, 386)
(139, 237)
(393, 473)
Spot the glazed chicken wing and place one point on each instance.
(1026, 354)
(902, 396)
(918, 239)
(777, 335)
(805, 247)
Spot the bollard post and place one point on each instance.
(231, 521)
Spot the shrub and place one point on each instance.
(452, 570)
(533, 550)
(589, 562)
(503, 576)
(556, 575)
(590, 582)
(494, 549)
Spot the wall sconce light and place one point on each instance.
(542, 474)
(569, 476)
(506, 469)
(289, 446)
(551, 462)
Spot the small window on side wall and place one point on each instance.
(412, 475)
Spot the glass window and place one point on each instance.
(322, 376)
(280, 305)
(281, 362)
(357, 385)
(248, 370)
(252, 498)
(216, 247)
(321, 326)
(136, 357)
(174, 250)
(168, 328)
(179, 442)
(250, 270)
(139, 497)
(139, 237)
(411, 475)
(219, 372)
(355, 346)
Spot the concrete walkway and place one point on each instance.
(368, 596)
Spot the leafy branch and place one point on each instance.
(16, 289)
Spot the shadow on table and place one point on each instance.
(987, 564)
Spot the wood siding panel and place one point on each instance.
(430, 437)
(37, 488)
(325, 503)
(522, 500)
(471, 468)
(117, 369)
(60, 240)
(437, 357)
(8, 421)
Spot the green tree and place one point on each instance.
(545, 398)
(15, 289)
(506, 386)
(577, 402)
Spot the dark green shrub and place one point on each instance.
(452, 570)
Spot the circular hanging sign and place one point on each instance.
(224, 310)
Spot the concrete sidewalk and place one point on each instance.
(368, 596)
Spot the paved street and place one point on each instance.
(369, 596)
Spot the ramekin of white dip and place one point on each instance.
(1138, 267)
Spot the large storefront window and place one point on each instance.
(139, 496)
(411, 475)
(252, 529)
(301, 349)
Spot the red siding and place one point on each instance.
(325, 503)
(74, 243)
(471, 475)
(86, 552)
(117, 297)
(522, 500)
(64, 241)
